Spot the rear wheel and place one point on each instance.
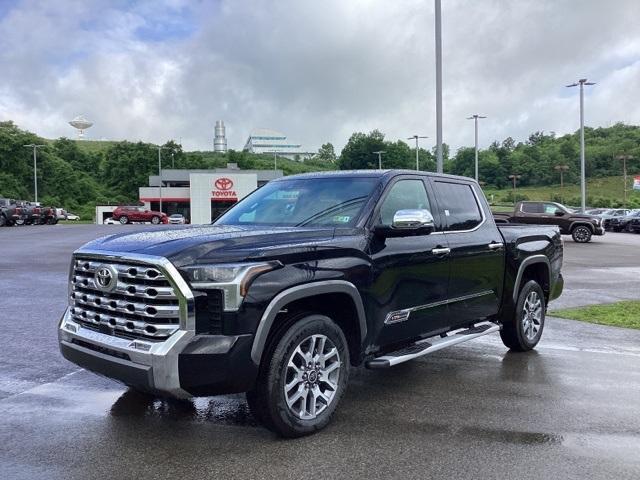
(155, 220)
(523, 331)
(124, 220)
(581, 234)
(303, 377)
(3, 220)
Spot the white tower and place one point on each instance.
(220, 138)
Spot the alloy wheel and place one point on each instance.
(532, 316)
(312, 375)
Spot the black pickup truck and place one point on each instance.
(304, 279)
(10, 212)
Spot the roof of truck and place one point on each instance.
(388, 173)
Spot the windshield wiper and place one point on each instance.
(331, 209)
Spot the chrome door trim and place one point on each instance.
(398, 316)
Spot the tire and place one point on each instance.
(19, 222)
(308, 403)
(617, 229)
(522, 333)
(124, 220)
(581, 234)
(3, 221)
(155, 220)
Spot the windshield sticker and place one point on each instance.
(341, 218)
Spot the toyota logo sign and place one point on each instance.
(224, 183)
(106, 278)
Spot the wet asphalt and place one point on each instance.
(570, 409)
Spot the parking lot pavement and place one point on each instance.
(567, 410)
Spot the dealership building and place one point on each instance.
(202, 195)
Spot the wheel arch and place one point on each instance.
(579, 223)
(536, 267)
(321, 297)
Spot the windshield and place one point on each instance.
(309, 202)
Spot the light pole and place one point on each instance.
(35, 168)
(624, 159)
(475, 118)
(438, 29)
(379, 153)
(173, 161)
(515, 178)
(583, 183)
(416, 137)
(275, 159)
(160, 148)
(561, 169)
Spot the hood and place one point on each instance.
(215, 243)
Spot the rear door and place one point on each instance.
(476, 251)
(530, 212)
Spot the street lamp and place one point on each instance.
(379, 153)
(561, 169)
(438, 32)
(515, 178)
(416, 137)
(624, 159)
(160, 148)
(35, 168)
(275, 159)
(475, 118)
(583, 184)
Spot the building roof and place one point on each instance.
(267, 132)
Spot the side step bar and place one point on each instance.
(433, 344)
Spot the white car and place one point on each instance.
(111, 221)
(73, 217)
(177, 219)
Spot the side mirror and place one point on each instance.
(559, 213)
(407, 223)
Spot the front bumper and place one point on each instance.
(599, 230)
(182, 366)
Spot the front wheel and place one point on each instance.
(523, 331)
(581, 234)
(155, 220)
(303, 377)
(3, 220)
(124, 220)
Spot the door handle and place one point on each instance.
(441, 251)
(495, 245)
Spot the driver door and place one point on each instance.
(408, 293)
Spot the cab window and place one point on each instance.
(404, 195)
(458, 205)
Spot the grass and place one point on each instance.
(620, 314)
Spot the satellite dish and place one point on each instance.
(81, 124)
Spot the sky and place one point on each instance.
(318, 70)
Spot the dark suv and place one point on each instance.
(128, 214)
(10, 212)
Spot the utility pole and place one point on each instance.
(515, 178)
(583, 182)
(35, 168)
(416, 137)
(379, 153)
(561, 169)
(475, 118)
(624, 159)
(160, 148)
(438, 15)
(275, 159)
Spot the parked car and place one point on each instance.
(612, 213)
(177, 219)
(595, 211)
(10, 212)
(30, 213)
(634, 225)
(619, 224)
(111, 221)
(581, 227)
(72, 216)
(309, 276)
(48, 216)
(128, 214)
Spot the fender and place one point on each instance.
(581, 222)
(299, 292)
(525, 263)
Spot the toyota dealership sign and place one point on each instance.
(207, 189)
(223, 190)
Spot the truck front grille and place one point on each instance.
(140, 303)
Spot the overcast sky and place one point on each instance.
(317, 70)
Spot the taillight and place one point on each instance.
(18, 210)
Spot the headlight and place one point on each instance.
(233, 279)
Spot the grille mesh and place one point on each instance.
(143, 303)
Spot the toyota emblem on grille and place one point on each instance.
(106, 278)
(223, 183)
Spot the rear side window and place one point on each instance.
(458, 206)
(532, 208)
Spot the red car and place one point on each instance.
(128, 214)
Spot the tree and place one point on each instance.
(358, 152)
(326, 153)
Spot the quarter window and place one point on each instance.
(404, 195)
(532, 207)
(458, 206)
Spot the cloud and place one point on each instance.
(316, 70)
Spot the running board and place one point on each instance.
(432, 344)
